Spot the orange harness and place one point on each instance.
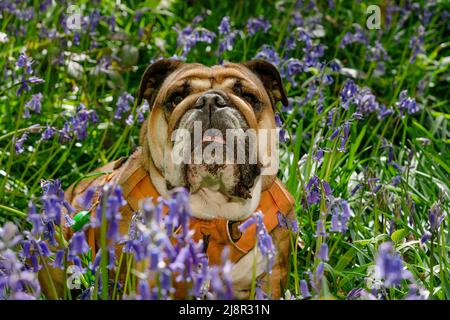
(274, 200)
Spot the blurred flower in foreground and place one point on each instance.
(264, 240)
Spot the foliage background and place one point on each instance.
(98, 65)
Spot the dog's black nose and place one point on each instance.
(209, 101)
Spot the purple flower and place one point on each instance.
(313, 195)
(269, 54)
(396, 180)
(389, 265)
(319, 154)
(254, 25)
(416, 43)
(285, 222)
(264, 240)
(78, 244)
(323, 252)
(59, 259)
(189, 36)
(144, 290)
(48, 133)
(348, 93)
(426, 236)
(335, 223)
(326, 188)
(357, 37)
(435, 216)
(366, 102)
(334, 65)
(34, 104)
(355, 189)
(320, 230)
(86, 200)
(18, 145)
(344, 138)
(292, 68)
(224, 26)
(304, 289)
(346, 212)
(123, 104)
(130, 120)
(142, 110)
(111, 200)
(407, 103)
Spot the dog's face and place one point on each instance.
(198, 114)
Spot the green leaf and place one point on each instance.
(399, 235)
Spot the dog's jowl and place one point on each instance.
(212, 131)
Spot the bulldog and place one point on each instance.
(189, 99)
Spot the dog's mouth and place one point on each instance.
(222, 154)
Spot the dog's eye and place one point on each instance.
(174, 100)
(252, 99)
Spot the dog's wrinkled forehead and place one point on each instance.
(168, 75)
(197, 78)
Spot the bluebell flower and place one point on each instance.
(326, 188)
(366, 102)
(406, 103)
(426, 236)
(396, 180)
(86, 200)
(319, 154)
(304, 290)
(254, 25)
(264, 240)
(189, 36)
(416, 43)
(335, 221)
(292, 68)
(59, 259)
(286, 223)
(320, 230)
(355, 189)
(111, 200)
(269, 54)
(123, 104)
(130, 120)
(346, 212)
(144, 290)
(78, 244)
(334, 65)
(312, 189)
(348, 93)
(358, 36)
(48, 133)
(435, 216)
(389, 265)
(18, 145)
(323, 252)
(33, 104)
(224, 26)
(142, 110)
(344, 138)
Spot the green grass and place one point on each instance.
(425, 180)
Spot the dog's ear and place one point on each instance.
(271, 79)
(153, 77)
